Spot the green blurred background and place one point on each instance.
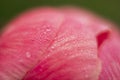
(109, 9)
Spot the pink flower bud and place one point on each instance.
(59, 44)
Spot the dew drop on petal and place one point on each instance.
(45, 32)
(86, 76)
(28, 55)
(20, 60)
(52, 47)
(48, 30)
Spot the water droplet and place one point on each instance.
(48, 30)
(42, 66)
(86, 76)
(25, 33)
(81, 50)
(52, 47)
(20, 60)
(28, 55)
(66, 54)
(45, 32)
(40, 70)
(48, 55)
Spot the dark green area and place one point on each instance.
(109, 9)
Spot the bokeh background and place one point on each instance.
(109, 9)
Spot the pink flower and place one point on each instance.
(59, 44)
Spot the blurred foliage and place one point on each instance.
(109, 9)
